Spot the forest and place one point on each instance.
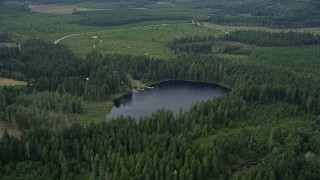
(122, 16)
(5, 37)
(276, 14)
(204, 44)
(264, 93)
(265, 127)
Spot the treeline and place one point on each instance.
(12, 8)
(191, 44)
(272, 22)
(24, 109)
(264, 38)
(205, 44)
(252, 7)
(122, 16)
(275, 14)
(201, 45)
(6, 37)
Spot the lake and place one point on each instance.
(173, 95)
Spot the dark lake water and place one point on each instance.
(173, 95)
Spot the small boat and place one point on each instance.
(150, 87)
(134, 90)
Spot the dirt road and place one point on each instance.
(57, 41)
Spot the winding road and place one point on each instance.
(57, 41)
(71, 35)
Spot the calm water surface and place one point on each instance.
(173, 95)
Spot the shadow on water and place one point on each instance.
(173, 95)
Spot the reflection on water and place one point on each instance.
(123, 101)
(172, 95)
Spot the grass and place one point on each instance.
(147, 40)
(11, 82)
(136, 83)
(93, 112)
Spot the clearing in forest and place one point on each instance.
(11, 130)
(11, 82)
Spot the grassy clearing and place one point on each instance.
(136, 83)
(93, 112)
(11, 82)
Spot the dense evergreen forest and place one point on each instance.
(267, 126)
(7, 8)
(206, 44)
(262, 38)
(274, 13)
(122, 16)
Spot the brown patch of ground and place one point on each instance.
(10, 129)
(247, 166)
(11, 82)
(59, 9)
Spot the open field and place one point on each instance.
(139, 40)
(59, 9)
(11, 82)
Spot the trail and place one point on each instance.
(94, 46)
(57, 41)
